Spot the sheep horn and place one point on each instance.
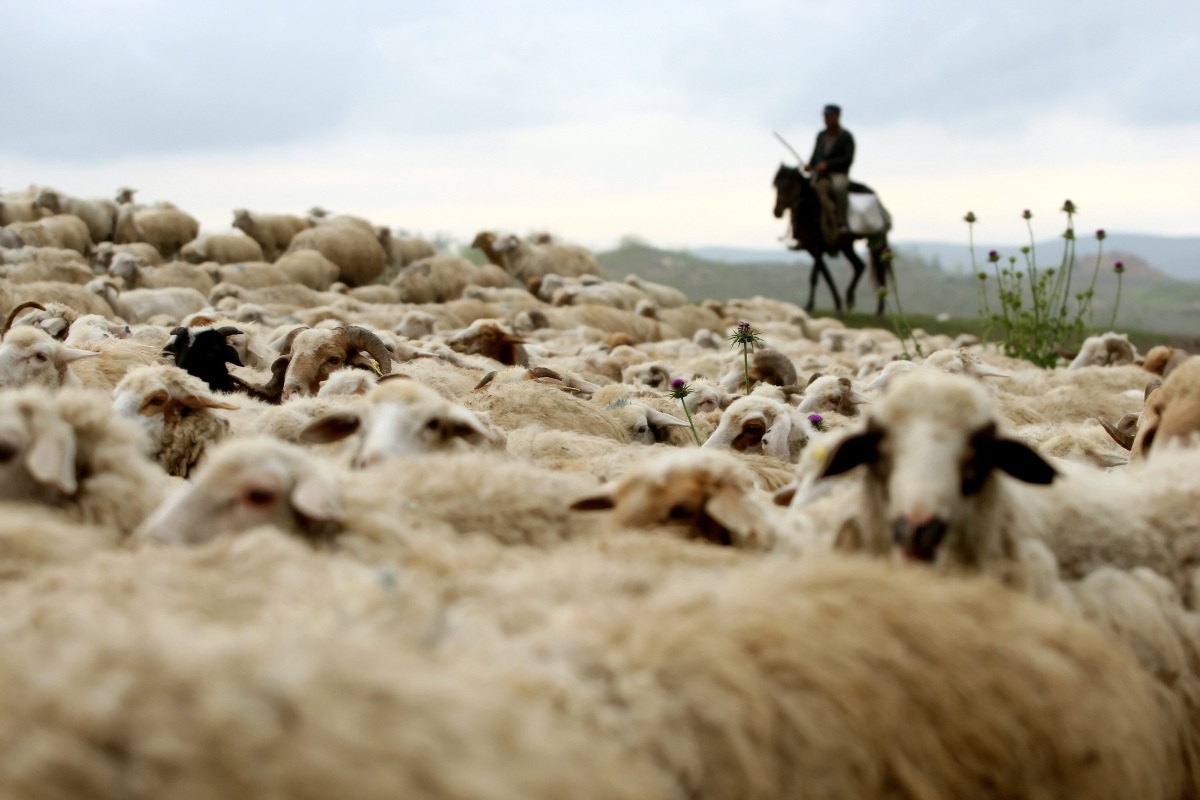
(12, 315)
(1119, 436)
(356, 337)
(286, 348)
(228, 330)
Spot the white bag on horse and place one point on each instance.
(865, 215)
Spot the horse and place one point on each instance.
(795, 193)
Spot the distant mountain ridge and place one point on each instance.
(1175, 256)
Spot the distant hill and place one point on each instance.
(1150, 299)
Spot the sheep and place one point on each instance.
(934, 452)
(492, 339)
(704, 495)
(141, 305)
(99, 215)
(1171, 412)
(133, 274)
(19, 207)
(31, 357)
(228, 248)
(250, 275)
(357, 253)
(1105, 350)
(66, 450)
(610, 320)
(708, 683)
(315, 353)
(1161, 360)
(306, 698)
(403, 250)
(664, 296)
(932, 493)
(642, 423)
(347, 382)
(55, 319)
(525, 260)
(437, 279)
(272, 232)
(402, 418)
(33, 539)
(760, 424)
(778, 701)
(60, 271)
(106, 252)
(177, 411)
(828, 393)
(310, 268)
(65, 231)
(167, 229)
(90, 328)
(517, 405)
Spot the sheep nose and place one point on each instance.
(919, 536)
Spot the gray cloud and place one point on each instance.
(138, 77)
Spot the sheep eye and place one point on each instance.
(335, 360)
(259, 497)
(158, 401)
(41, 357)
(432, 425)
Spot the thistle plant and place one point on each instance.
(680, 389)
(1038, 330)
(817, 421)
(748, 339)
(1119, 268)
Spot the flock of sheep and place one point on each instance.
(310, 510)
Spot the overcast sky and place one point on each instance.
(595, 120)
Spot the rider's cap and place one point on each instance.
(832, 109)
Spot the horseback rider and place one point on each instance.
(832, 155)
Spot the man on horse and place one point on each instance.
(832, 155)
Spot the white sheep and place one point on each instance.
(67, 451)
(178, 412)
(760, 424)
(223, 248)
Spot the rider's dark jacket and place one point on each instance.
(836, 151)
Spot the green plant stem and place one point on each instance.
(1112, 324)
(691, 424)
(746, 364)
(901, 316)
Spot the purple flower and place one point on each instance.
(743, 326)
(1100, 234)
(815, 418)
(993, 256)
(678, 383)
(1026, 214)
(1119, 267)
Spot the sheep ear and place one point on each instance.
(1018, 460)
(200, 401)
(332, 427)
(68, 354)
(601, 501)
(54, 326)
(851, 452)
(660, 419)
(316, 496)
(785, 495)
(727, 506)
(775, 440)
(51, 459)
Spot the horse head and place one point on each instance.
(789, 183)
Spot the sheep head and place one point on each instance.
(757, 424)
(31, 357)
(831, 393)
(402, 418)
(205, 354)
(247, 483)
(932, 452)
(1105, 350)
(49, 200)
(1171, 412)
(37, 449)
(317, 352)
(643, 424)
(490, 338)
(694, 494)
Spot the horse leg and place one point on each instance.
(817, 267)
(837, 300)
(859, 268)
